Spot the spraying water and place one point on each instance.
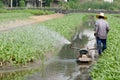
(55, 36)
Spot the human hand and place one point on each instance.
(95, 34)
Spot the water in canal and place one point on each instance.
(62, 66)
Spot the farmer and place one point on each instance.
(101, 30)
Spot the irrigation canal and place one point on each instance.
(63, 66)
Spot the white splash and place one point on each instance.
(56, 36)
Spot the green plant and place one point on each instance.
(107, 67)
(1, 4)
(65, 26)
(76, 4)
(48, 2)
(22, 3)
(28, 43)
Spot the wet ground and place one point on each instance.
(64, 66)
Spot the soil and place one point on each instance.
(31, 20)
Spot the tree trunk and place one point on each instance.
(11, 3)
(41, 3)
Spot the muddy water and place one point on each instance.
(62, 66)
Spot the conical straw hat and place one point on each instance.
(101, 14)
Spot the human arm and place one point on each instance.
(96, 29)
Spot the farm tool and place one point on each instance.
(84, 55)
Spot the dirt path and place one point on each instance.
(31, 20)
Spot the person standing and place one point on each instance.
(101, 30)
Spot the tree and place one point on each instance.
(48, 2)
(1, 4)
(22, 3)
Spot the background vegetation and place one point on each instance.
(74, 4)
(1, 4)
(22, 3)
(5, 18)
(29, 11)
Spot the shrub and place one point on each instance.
(34, 12)
(1, 4)
(22, 3)
(90, 4)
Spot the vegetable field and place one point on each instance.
(28, 43)
(67, 25)
(6, 17)
(108, 65)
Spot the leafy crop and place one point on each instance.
(7, 17)
(30, 11)
(28, 43)
(65, 26)
(107, 67)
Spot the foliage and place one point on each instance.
(25, 44)
(22, 45)
(39, 12)
(107, 67)
(28, 43)
(98, 5)
(65, 26)
(22, 3)
(11, 17)
(1, 4)
(34, 12)
(76, 4)
(48, 2)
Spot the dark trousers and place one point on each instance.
(101, 45)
